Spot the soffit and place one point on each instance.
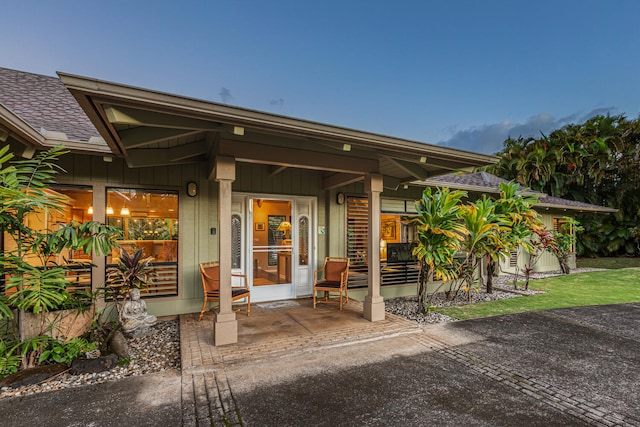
(149, 128)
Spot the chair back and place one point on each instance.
(334, 267)
(210, 273)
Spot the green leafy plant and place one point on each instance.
(9, 357)
(66, 352)
(440, 233)
(595, 162)
(132, 271)
(565, 239)
(25, 190)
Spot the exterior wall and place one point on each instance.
(197, 215)
(547, 261)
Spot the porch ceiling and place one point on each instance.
(149, 128)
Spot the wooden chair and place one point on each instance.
(210, 274)
(336, 274)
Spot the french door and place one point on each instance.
(273, 244)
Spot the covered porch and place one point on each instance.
(149, 129)
(283, 327)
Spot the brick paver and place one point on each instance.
(552, 395)
(207, 398)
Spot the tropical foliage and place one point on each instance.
(596, 162)
(35, 282)
(484, 229)
(565, 240)
(440, 233)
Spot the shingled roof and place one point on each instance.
(46, 105)
(487, 183)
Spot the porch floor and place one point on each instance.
(274, 330)
(281, 327)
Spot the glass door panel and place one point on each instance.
(271, 248)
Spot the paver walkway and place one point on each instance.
(206, 393)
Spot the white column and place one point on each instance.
(373, 309)
(225, 327)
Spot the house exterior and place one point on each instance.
(551, 210)
(191, 181)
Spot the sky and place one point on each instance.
(462, 73)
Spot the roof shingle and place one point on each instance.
(44, 102)
(484, 181)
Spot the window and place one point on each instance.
(561, 225)
(236, 241)
(396, 238)
(303, 240)
(150, 223)
(77, 206)
(513, 258)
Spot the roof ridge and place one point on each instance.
(30, 73)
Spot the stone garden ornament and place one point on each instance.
(134, 316)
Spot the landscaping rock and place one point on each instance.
(94, 366)
(119, 346)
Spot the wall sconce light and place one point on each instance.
(192, 189)
(109, 210)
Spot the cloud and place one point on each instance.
(225, 95)
(277, 102)
(489, 138)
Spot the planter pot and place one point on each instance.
(62, 325)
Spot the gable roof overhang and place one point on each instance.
(17, 132)
(150, 128)
(484, 182)
(37, 112)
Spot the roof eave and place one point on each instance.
(20, 129)
(594, 209)
(108, 91)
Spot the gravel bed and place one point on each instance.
(502, 289)
(155, 352)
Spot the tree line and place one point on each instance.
(595, 162)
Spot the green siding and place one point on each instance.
(197, 214)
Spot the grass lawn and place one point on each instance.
(611, 263)
(594, 288)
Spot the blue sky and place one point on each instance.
(466, 74)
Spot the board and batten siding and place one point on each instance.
(197, 215)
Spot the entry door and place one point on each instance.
(274, 245)
(271, 249)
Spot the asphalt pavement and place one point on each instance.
(567, 367)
